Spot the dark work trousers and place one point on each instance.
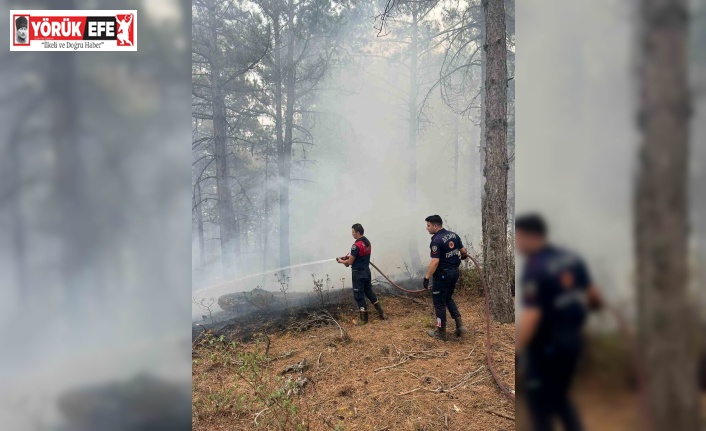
(363, 287)
(442, 294)
(550, 371)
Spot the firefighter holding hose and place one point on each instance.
(359, 261)
(557, 294)
(447, 251)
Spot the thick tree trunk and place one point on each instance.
(226, 214)
(482, 145)
(661, 217)
(496, 165)
(481, 158)
(416, 261)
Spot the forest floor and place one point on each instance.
(387, 375)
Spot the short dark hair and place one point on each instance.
(435, 219)
(531, 223)
(358, 228)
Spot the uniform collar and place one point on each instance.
(440, 231)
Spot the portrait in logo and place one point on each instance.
(21, 30)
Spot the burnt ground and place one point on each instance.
(387, 375)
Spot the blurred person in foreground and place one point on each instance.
(557, 294)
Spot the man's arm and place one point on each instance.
(529, 321)
(464, 253)
(432, 267)
(595, 302)
(348, 260)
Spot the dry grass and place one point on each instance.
(388, 376)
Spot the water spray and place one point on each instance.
(230, 282)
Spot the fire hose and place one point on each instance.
(503, 388)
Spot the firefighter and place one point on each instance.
(447, 251)
(359, 261)
(556, 293)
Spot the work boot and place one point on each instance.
(363, 317)
(439, 333)
(378, 307)
(460, 329)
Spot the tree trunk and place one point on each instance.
(661, 217)
(456, 143)
(483, 61)
(265, 216)
(416, 261)
(474, 177)
(496, 165)
(74, 231)
(278, 125)
(481, 148)
(199, 225)
(226, 214)
(286, 154)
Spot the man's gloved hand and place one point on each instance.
(464, 256)
(426, 283)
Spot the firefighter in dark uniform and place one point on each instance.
(447, 251)
(557, 294)
(359, 261)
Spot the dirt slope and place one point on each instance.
(389, 376)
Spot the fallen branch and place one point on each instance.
(257, 415)
(200, 335)
(284, 355)
(501, 414)
(391, 366)
(408, 392)
(321, 318)
(298, 367)
(418, 354)
(469, 355)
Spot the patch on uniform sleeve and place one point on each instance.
(354, 248)
(434, 249)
